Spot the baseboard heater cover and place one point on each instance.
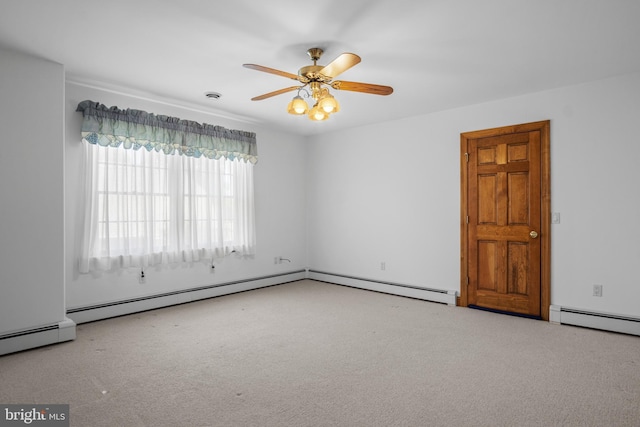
(134, 305)
(595, 320)
(428, 294)
(38, 337)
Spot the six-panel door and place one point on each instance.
(504, 222)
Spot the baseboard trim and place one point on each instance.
(428, 294)
(595, 320)
(38, 337)
(123, 307)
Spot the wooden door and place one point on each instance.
(505, 219)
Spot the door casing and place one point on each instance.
(545, 207)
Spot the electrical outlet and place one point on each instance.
(555, 218)
(383, 265)
(141, 278)
(597, 290)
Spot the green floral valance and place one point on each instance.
(133, 129)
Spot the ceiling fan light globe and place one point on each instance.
(297, 106)
(318, 114)
(329, 104)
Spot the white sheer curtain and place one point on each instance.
(146, 207)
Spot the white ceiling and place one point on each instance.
(436, 54)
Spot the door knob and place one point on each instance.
(533, 234)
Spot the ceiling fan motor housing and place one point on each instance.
(312, 73)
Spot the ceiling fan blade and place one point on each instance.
(341, 64)
(274, 93)
(362, 87)
(271, 71)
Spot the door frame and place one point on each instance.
(545, 207)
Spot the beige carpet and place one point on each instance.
(315, 354)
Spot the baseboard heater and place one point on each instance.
(595, 320)
(123, 307)
(38, 337)
(435, 295)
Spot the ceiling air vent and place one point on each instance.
(213, 95)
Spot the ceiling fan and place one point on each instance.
(316, 80)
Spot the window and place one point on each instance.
(145, 207)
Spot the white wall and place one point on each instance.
(391, 193)
(31, 192)
(280, 210)
(341, 203)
